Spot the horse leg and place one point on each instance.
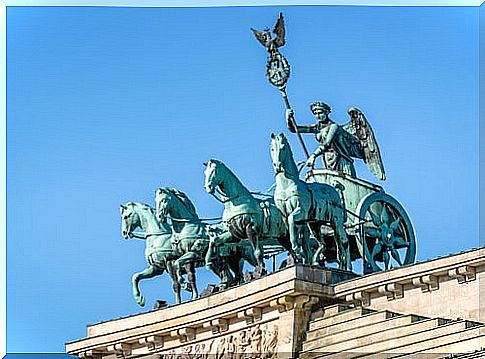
(318, 256)
(149, 272)
(294, 231)
(305, 243)
(225, 275)
(214, 242)
(175, 284)
(343, 246)
(254, 240)
(181, 263)
(236, 264)
(190, 268)
(209, 256)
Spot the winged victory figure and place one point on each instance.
(339, 145)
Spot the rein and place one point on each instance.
(146, 235)
(194, 220)
(223, 201)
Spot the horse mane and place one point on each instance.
(290, 160)
(236, 178)
(142, 205)
(182, 197)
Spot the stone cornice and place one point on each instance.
(393, 283)
(298, 285)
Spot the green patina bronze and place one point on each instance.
(158, 252)
(329, 216)
(339, 145)
(246, 216)
(307, 205)
(178, 250)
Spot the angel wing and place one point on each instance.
(260, 36)
(279, 31)
(360, 128)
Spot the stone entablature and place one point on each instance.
(448, 287)
(272, 305)
(271, 315)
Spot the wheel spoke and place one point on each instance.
(375, 218)
(384, 214)
(394, 225)
(377, 249)
(400, 242)
(372, 232)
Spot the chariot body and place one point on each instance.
(379, 229)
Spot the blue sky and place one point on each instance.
(107, 104)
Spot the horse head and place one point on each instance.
(171, 201)
(163, 202)
(130, 219)
(212, 174)
(279, 151)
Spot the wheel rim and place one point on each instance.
(387, 234)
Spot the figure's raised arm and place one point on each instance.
(291, 123)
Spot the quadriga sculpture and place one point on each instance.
(245, 216)
(307, 205)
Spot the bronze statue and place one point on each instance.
(339, 145)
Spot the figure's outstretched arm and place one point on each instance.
(290, 121)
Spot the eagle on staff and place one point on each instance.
(277, 67)
(271, 44)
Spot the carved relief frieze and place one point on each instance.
(258, 341)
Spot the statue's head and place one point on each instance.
(321, 110)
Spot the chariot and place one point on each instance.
(378, 227)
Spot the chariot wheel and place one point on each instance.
(386, 234)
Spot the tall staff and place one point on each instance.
(277, 67)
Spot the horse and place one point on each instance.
(158, 252)
(312, 204)
(245, 216)
(194, 240)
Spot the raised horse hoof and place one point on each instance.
(141, 301)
